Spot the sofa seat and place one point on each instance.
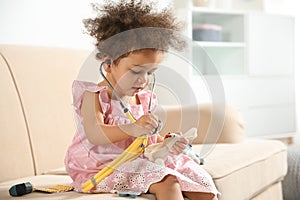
(248, 172)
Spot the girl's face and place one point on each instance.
(132, 73)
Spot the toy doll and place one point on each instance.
(157, 153)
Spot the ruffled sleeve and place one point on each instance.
(144, 97)
(78, 89)
(105, 101)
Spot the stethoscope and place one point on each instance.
(115, 93)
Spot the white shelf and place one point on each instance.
(216, 11)
(220, 44)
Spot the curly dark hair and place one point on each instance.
(128, 26)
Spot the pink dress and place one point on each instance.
(83, 159)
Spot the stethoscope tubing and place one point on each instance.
(117, 95)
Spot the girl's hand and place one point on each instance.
(180, 146)
(146, 124)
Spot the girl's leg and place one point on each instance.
(167, 189)
(200, 195)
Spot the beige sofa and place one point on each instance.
(36, 123)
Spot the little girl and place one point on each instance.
(104, 131)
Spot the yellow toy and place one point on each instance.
(131, 153)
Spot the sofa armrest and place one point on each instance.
(221, 124)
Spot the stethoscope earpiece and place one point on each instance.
(108, 62)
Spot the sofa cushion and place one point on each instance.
(15, 156)
(245, 169)
(44, 76)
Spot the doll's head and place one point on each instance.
(171, 135)
(123, 27)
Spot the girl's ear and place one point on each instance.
(107, 67)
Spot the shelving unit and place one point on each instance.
(228, 55)
(255, 62)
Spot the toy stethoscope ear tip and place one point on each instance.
(108, 62)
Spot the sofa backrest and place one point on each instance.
(36, 107)
(15, 154)
(215, 124)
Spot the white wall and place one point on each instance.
(45, 22)
(59, 23)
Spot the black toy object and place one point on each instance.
(21, 189)
(26, 188)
